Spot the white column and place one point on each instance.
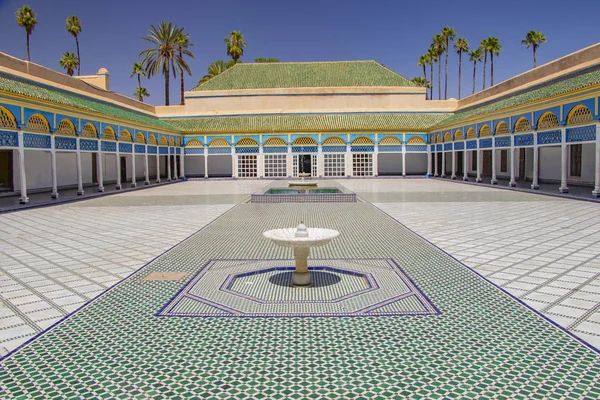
(22, 178)
(320, 161)
(100, 167)
(290, 167)
(453, 176)
(157, 164)
(494, 177)
(175, 174)
(234, 163)
(479, 162)
(375, 158)
(146, 167)
(535, 185)
(428, 158)
(118, 185)
(206, 162)
(435, 162)
(182, 163)
(443, 172)
(404, 160)
(348, 160)
(79, 174)
(564, 159)
(513, 151)
(54, 193)
(169, 176)
(260, 162)
(133, 182)
(596, 191)
(465, 175)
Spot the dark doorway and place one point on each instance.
(94, 168)
(439, 164)
(522, 164)
(459, 163)
(123, 169)
(6, 170)
(487, 163)
(304, 164)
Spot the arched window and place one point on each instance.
(66, 128)
(522, 125)
(178, 143)
(484, 131)
(502, 128)
(471, 133)
(438, 138)
(37, 123)
(334, 141)
(246, 142)
(447, 137)
(579, 115)
(125, 136)
(139, 138)
(304, 141)
(109, 133)
(458, 135)
(218, 142)
(172, 142)
(362, 141)
(89, 131)
(548, 120)
(416, 140)
(7, 120)
(163, 141)
(274, 141)
(193, 143)
(152, 140)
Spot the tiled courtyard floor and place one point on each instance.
(482, 343)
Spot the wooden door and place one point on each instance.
(6, 170)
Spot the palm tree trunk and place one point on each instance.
(484, 68)
(446, 77)
(491, 69)
(140, 98)
(439, 80)
(182, 89)
(425, 76)
(78, 56)
(534, 58)
(459, 71)
(167, 88)
(28, 56)
(431, 74)
(474, 70)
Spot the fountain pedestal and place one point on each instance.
(301, 239)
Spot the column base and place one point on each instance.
(535, 187)
(23, 200)
(478, 180)
(169, 180)
(435, 175)
(301, 279)
(563, 189)
(147, 183)
(54, 195)
(465, 179)
(133, 184)
(512, 184)
(596, 192)
(453, 177)
(206, 177)
(404, 174)
(443, 176)
(80, 193)
(494, 182)
(100, 189)
(118, 187)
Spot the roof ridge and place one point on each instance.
(305, 62)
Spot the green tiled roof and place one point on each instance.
(304, 74)
(73, 100)
(546, 91)
(306, 122)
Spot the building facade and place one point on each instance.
(324, 119)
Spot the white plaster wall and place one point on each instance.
(38, 172)
(66, 169)
(219, 165)
(389, 163)
(86, 168)
(499, 173)
(588, 162)
(110, 168)
(529, 163)
(416, 163)
(152, 167)
(140, 167)
(448, 162)
(194, 166)
(549, 158)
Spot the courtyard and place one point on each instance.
(104, 297)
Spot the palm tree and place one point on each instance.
(460, 46)
(266, 60)
(138, 69)
(74, 28)
(438, 45)
(483, 45)
(140, 93)
(448, 34)
(165, 56)
(475, 56)
(69, 61)
(26, 19)
(214, 69)
(423, 61)
(419, 81)
(493, 47)
(534, 39)
(183, 43)
(235, 45)
(432, 58)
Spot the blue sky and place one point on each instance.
(394, 33)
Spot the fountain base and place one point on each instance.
(302, 279)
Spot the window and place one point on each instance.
(247, 166)
(362, 164)
(503, 160)
(474, 160)
(335, 165)
(275, 165)
(575, 160)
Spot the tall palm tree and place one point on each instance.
(214, 69)
(74, 28)
(483, 45)
(183, 42)
(423, 61)
(419, 81)
(140, 93)
(493, 47)
(475, 56)
(164, 56)
(26, 19)
(69, 61)
(438, 45)
(460, 46)
(138, 69)
(449, 34)
(534, 39)
(235, 45)
(432, 58)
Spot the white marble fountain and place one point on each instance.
(301, 239)
(302, 184)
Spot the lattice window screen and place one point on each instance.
(485, 131)
(416, 140)
(391, 141)
(547, 121)
(334, 141)
(458, 135)
(89, 131)
(6, 119)
(152, 140)
(125, 137)
(109, 133)
(139, 138)
(471, 133)
(218, 143)
(193, 143)
(163, 141)
(522, 125)
(304, 141)
(65, 128)
(502, 129)
(362, 141)
(447, 137)
(247, 142)
(275, 142)
(580, 115)
(37, 123)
